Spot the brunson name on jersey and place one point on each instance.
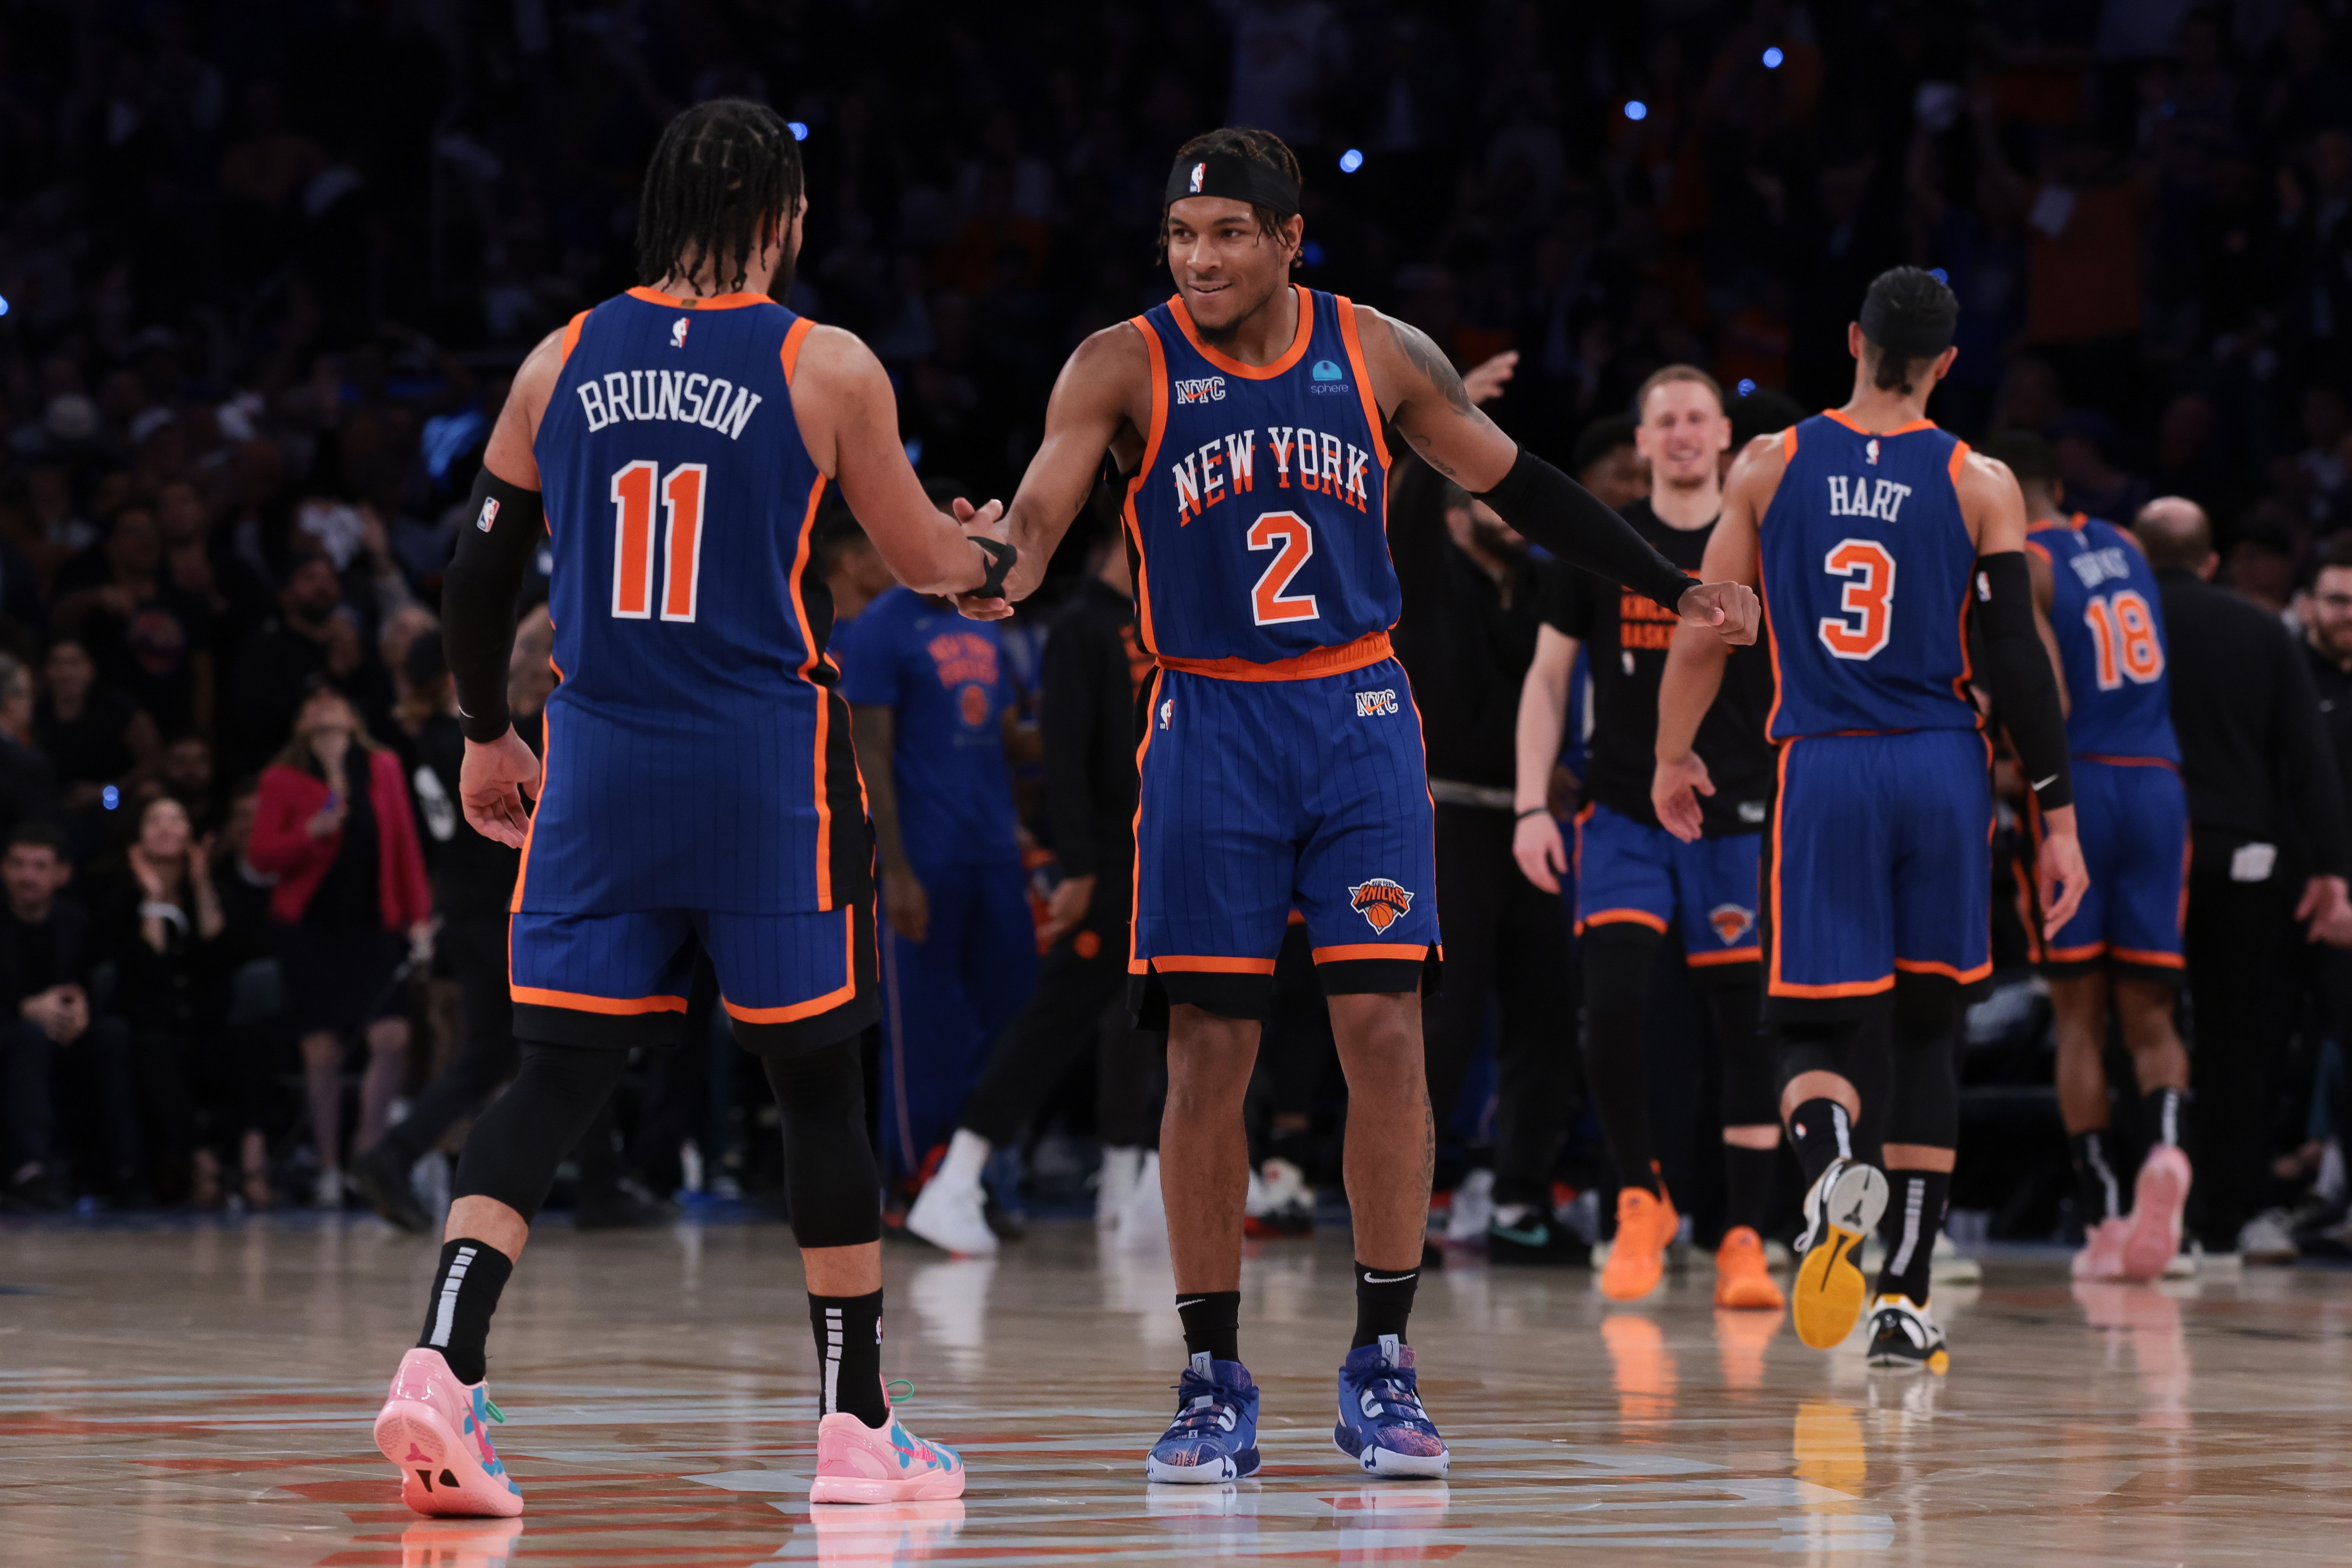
(1858, 497)
(696, 399)
(1305, 459)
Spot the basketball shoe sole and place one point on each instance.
(1829, 1292)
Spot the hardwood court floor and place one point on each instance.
(201, 1393)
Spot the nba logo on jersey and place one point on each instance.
(489, 514)
(1870, 451)
(1166, 711)
(1380, 901)
(677, 333)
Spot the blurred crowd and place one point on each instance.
(268, 267)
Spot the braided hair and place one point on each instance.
(721, 172)
(1261, 146)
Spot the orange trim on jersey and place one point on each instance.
(1623, 918)
(2160, 960)
(1788, 444)
(2113, 760)
(823, 698)
(1831, 993)
(1779, 806)
(570, 340)
(1134, 882)
(531, 827)
(1950, 971)
(2040, 549)
(716, 302)
(790, 354)
(2073, 954)
(833, 998)
(2080, 517)
(1729, 955)
(1312, 665)
(1351, 953)
(1959, 456)
(1771, 643)
(613, 1006)
(1196, 964)
(1143, 471)
(1349, 336)
(2028, 914)
(1840, 415)
(1290, 356)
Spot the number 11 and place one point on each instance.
(633, 539)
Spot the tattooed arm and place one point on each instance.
(1424, 397)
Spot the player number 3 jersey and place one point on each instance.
(1867, 565)
(1259, 517)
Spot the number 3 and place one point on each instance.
(1865, 618)
(633, 539)
(1297, 540)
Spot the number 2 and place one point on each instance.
(1865, 620)
(1297, 540)
(634, 485)
(2123, 633)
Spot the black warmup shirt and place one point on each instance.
(1625, 639)
(2252, 750)
(2334, 683)
(1088, 682)
(472, 877)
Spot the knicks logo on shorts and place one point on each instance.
(1381, 902)
(1731, 922)
(1373, 704)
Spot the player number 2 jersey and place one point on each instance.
(2109, 617)
(1867, 567)
(1259, 517)
(698, 756)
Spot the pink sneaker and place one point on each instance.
(857, 1463)
(2102, 1257)
(436, 1430)
(2158, 1196)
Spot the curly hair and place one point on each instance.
(1260, 146)
(721, 172)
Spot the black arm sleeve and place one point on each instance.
(2017, 667)
(2313, 797)
(1582, 530)
(477, 599)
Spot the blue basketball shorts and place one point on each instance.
(788, 982)
(2133, 817)
(1629, 873)
(1878, 860)
(1262, 797)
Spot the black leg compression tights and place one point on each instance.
(835, 1194)
(1751, 1090)
(1620, 961)
(1923, 1103)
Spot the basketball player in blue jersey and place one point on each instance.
(700, 786)
(1281, 758)
(1865, 529)
(2123, 948)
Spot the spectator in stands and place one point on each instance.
(58, 1057)
(101, 743)
(28, 785)
(2268, 861)
(334, 825)
(149, 637)
(274, 671)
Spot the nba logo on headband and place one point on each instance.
(1200, 172)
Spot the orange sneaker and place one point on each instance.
(1637, 1259)
(1740, 1277)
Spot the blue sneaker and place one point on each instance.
(1381, 1424)
(1215, 1435)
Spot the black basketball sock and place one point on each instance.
(1213, 1322)
(2097, 1192)
(1820, 1130)
(465, 1293)
(1383, 1302)
(849, 1332)
(2165, 1115)
(1749, 1176)
(1915, 1210)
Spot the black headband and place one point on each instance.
(1906, 335)
(1233, 176)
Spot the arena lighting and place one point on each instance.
(1940, 276)
(1351, 161)
(1745, 387)
(1772, 57)
(1311, 253)
(798, 128)
(4, 307)
(1636, 110)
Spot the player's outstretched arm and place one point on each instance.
(849, 416)
(1107, 377)
(2017, 668)
(477, 598)
(1695, 660)
(1425, 399)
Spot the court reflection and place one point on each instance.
(854, 1535)
(1396, 1522)
(2146, 1322)
(1740, 1338)
(1644, 1368)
